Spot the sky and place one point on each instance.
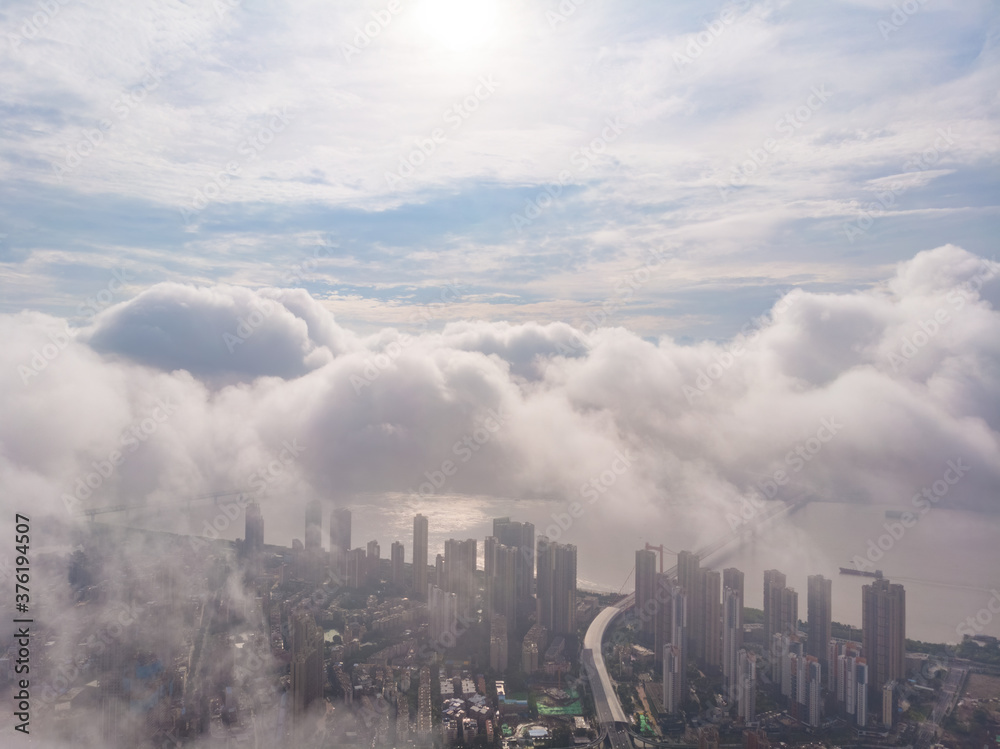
(637, 272)
(540, 153)
(500, 249)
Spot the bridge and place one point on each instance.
(609, 708)
(127, 507)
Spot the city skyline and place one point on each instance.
(500, 374)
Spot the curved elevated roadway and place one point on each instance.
(609, 709)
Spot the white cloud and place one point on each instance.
(706, 422)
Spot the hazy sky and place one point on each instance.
(537, 152)
(650, 262)
(698, 239)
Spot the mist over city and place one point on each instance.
(499, 375)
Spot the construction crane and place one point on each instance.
(92, 511)
(661, 548)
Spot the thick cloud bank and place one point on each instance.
(183, 390)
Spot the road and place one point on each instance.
(609, 709)
(950, 692)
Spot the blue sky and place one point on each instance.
(720, 155)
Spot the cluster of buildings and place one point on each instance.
(697, 615)
(526, 587)
(521, 578)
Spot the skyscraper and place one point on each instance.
(314, 525)
(556, 586)
(746, 685)
(774, 584)
(781, 610)
(733, 578)
(443, 612)
(307, 661)
(732, 634)
(673, 678)
(883, 634)
(501, 580)
(372, 562)
(253, 536)
(814, 684)
(679, 634)
(519, 536)
(789, 621)
(888, 704)
(664, 589)
(861, 680)
(356, 568)
(820, 615)
(420, 557)
(498, 643)
(396, 562)
(340, 538)
(645, 578)
(711, 604)
(847, 677)
(689, 575)
(460, 571)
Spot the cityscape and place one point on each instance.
(327, 643)
(499, 374)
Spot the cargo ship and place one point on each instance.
(877, 574)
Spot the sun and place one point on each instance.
(459, 24)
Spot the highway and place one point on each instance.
(609, 709)
(950, 692)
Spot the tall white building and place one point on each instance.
(888, 704)
(673, 678)
(814, 684)
(861, 692)
(746, 680)
(443, 609)
(732, 634)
